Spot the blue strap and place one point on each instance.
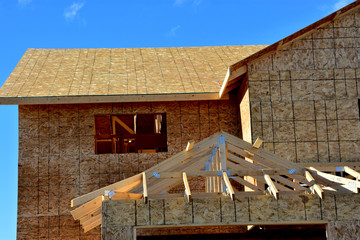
(156, 175)
(339, 169)
(214, 151)
(221, 139)
(291, 171)
(207, 166)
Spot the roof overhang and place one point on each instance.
(231, 80)
(111, 98)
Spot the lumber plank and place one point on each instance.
(122, 186)
(248, 184)
(271, 185)
(241, 172)
(93, 225)
(336, 179)
(287, 182)
(126, 195)
(352, 172)
(264, 154)
(92, 220)
(184, 156)
(190, 145)
(259, 172)
(229, 77)
(228, 185)
(145, 191)
(257, 143)
(195, 164)
(126, 127)
(187, 187)
(222, 155)
(87, 208)
(315, 186)
(90, 215)
(166, 184)
(331, 166)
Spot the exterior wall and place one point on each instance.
(343, 230)
(304, 97)
(57, 161)
(256, 210)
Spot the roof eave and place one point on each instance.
(110, 98)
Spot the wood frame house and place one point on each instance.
(137, 143)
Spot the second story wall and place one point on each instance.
(304, 96)
(57, 160)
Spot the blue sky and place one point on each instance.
(118, 24)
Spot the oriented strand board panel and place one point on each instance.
(57, 161)
(265, 209)
(178, 211)
(122, 71)
(207, 210)
(221, 211)
(304, 96)
(343, 230)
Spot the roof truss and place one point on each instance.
(217, 159)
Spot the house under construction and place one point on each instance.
(228, 142)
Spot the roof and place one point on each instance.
(239, 68)
(221, 160)
(122, 74)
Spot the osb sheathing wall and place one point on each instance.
(57, 161)
(304, 97)
(120, 216)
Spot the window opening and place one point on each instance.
(130, 133)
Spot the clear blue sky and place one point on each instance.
(118, 24)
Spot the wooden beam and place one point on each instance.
(94, 224)
(223, 154)
(190, 145)
(229, 77)
(126, 195)
(257, 223)
(240, 172)
(271, 185)
(315, 186)
(228, 185)
(167, 184)
(336, 179)
(116, 119)
(145, 191)
(331, 166)
(156, 185)
(90, 215)
(248, 184)
(287, 182)
(112, 98)
(187, 187)
(92, 220)
(184, 156)
(261, 153)
(233, 85)
(352, 172)
(121, 186)
(257, 143)
(87, 208)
